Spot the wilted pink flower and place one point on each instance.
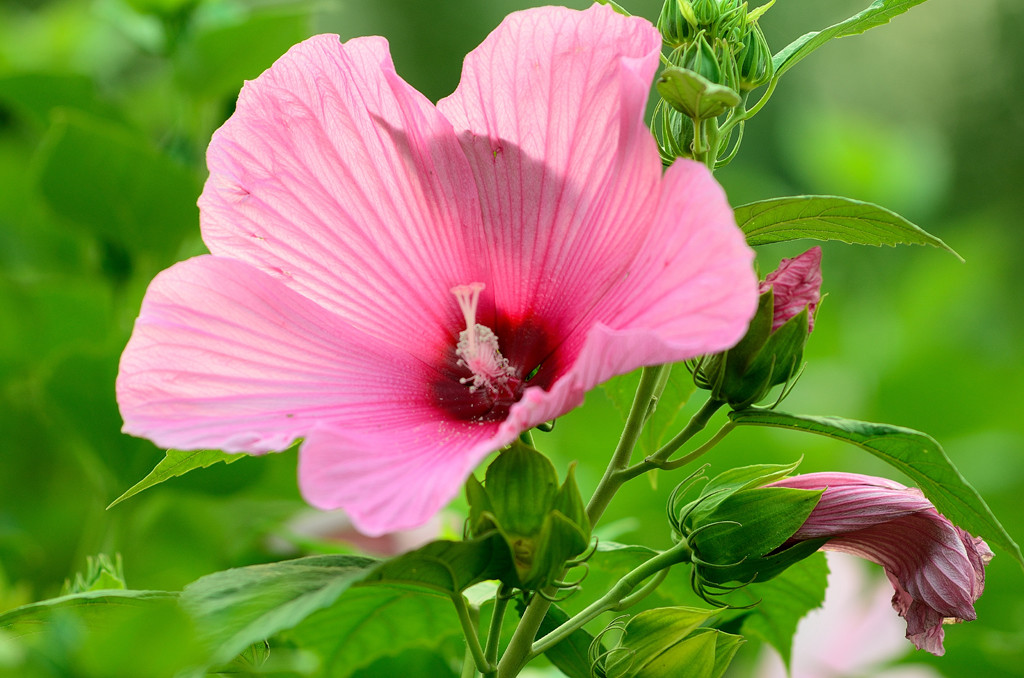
(797, 285)
(937, 569)
(408, 286)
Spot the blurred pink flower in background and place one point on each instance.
(854, 634)
(936, 569)
(796, 285)
(407, 287)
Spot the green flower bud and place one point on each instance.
(669, 642)
(543, 525)
(673, 131)
(763, 359)
(754, 60)
(677, 23)
(736, 528)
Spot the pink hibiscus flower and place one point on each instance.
(936, 569)
(407, 287)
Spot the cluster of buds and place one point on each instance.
(718, 55)
(771, 352)
(544, 526)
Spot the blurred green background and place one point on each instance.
(106, 108)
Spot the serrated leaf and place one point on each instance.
(914, 453)
(783, 601)
(878, 13)
(371, 622)
(678, 389)
(447, 566)
(177, 463)
(235, 608)
(826, 217)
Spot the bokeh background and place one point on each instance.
(106, 107)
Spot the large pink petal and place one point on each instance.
(550, 113)
(391, 479)
(223, 356)
(338, 178)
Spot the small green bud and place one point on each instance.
(677, 23)
(543, 525)
(754, 60)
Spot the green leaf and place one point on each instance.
(28, 619)
(113, 182)
(447, 566)
(177, 463)
(912, 452)
(114, 634)
(235, 608)
(371, 622)
(825, 217)
(678, 389)
(878, 13)
(783, 601)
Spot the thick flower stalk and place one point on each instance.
(407, 287)
(936, 569)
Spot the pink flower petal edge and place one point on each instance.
(936, 569)
(408, 287)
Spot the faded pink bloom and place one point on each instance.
(407, 287)
(936, 569)
(797, 285)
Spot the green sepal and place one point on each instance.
(521, 485)
(695, 95)
(542, 525)
(753, 523)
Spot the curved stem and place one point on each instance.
(617, 595)
(501, 599)
(647, 393)
(472, 637)
(694, 426)
(686, 459)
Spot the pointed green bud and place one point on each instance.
(543, 525)
(677, 23)
(754, 60)
(100, 573)
(669, 642)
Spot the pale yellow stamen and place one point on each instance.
(478, 348)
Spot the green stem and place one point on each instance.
(694, 426)
(501, 599)
(472, 637)
(752, 111)
(651, 378)
(616, 595)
